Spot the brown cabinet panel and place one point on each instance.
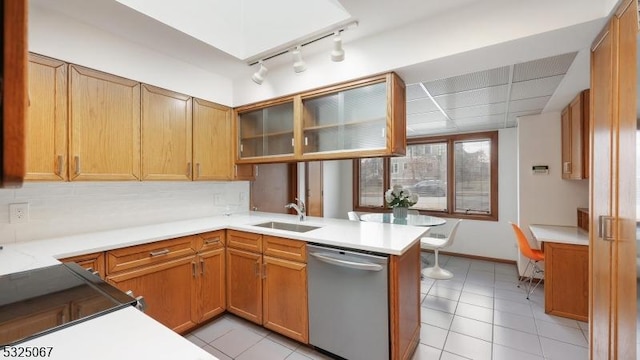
(210, 241)
(148, 254)
(566, 287)
(104, 120)
(575, 142)
(95, 262)
(166, 135)
(168, 289)
(211, 298)
(244, 241)
(285, 298)
(46, 152)
(14, 93)
(285, 248)
(244, 284)
(212, 141)
(33, 323)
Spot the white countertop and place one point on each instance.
(560, 234)
(130, 334)
(122, 334)
(383, 238)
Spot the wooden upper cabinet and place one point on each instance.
(266, 131)
(166, 135)
(46, 153)
(105, 126)
(212, 142)
(362, 118)
(14, 93)
(575, 138)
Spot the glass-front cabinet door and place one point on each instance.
(354, 119)
(266, 132)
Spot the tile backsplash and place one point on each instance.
(58, 209)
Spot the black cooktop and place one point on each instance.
(36, 302)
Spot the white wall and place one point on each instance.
(64, 38)
(58, 209)
(545, 199)
(490, 238)
(338, 188)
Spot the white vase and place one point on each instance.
(400, 212)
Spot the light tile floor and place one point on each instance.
(479, 314)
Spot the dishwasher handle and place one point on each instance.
(327, 258)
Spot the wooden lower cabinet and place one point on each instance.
(168, 288)
(244, 284)
(284, 298)
(566, 278)
(210, 299)
(33, 323)
(94, 262)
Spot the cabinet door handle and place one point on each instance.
(210, 241)
(235, 169)
(60, 163)
(606, 225)
(197, 170)
(158, 253)
(77, 163)
(257, 269)
(193, 269)
(201, 266)
(383, 132)
(306, 141)
(264, 271)
(291, 142)
(241, 148)
(189, 169)
(567, 167)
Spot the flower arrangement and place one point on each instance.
(399, 197)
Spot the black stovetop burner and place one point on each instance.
(36, 302)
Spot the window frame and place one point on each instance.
(450, 141)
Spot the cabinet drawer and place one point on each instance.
(147, 254)
(244, 241)
(93, 261)
(285, 248)
(211, 240)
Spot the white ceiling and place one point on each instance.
(238, 27)
(483, 62)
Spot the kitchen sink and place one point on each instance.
(287, 226)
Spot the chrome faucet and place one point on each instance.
(300, 208)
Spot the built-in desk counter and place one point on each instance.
(566, 278)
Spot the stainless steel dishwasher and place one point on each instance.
(348, 302)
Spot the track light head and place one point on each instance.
(337, 54)
(298, 64)
(258, 76)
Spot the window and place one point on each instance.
(454, 176)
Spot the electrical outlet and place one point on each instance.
(18, 213)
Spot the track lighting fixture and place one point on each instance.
(337, 54)
(258, 76)
(298, 64)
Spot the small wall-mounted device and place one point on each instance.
(540, 169)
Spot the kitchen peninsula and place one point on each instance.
(400, 242)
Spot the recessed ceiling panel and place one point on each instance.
(477, 80)
(244, 28)
(483, 96)
(476, 111)
(529, 104)
(535, 88)
(425, 117)
(551, 66)
(414, 91)
(421, 106)
(480, 120)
